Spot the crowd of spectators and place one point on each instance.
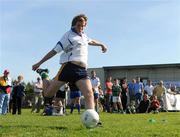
(136, 96)
(119, 96)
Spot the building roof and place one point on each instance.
(150, 66)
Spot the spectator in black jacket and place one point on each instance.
(144, 104)
(17, 95)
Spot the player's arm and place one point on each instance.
(97, 43)
(59, 47)
(49, 55)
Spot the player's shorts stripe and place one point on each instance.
(59, 72)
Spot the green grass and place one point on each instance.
(114, 125)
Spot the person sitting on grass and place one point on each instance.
(131, 109)
(144, 104)
(155, 105)
(59, 104)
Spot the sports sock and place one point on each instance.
(78, 107)
(72, 108)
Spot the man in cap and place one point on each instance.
(5, 89)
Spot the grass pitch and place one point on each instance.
(114, 125)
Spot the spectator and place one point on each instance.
(144, 104)
(172, 89)
(47, 108)
(159, 91)
(116, 93)
(124, 92)
(108, 93)
(9, 83)
(5, 89)
(48, 103)
(131, 108)
(155, 105)
(60, 99)
(149, 88)
(75, 96)
(17, 95)
(38, 97)
(11, 101)
(102, 105)
(139, 89)
(95, 84)
(131, 90)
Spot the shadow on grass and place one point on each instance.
(29, 126)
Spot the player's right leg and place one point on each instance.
(50, 87)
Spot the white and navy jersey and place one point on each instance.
(74, 47)
(95, 84)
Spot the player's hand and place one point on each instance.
(103, 48)
(35, 66)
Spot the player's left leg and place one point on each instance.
(84, 85)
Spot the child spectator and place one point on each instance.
(131, 109)
(155, 105)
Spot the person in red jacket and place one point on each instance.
(155, 105)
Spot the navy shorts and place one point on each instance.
(75, 94)
(70, 72)
(96, 95)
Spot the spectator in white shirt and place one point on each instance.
(38, 98)
(95, 84)
(149, 88)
